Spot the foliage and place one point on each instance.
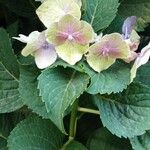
(82, 96)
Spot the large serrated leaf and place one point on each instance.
(138, 8)
(7, 57)
(100, 13)
(29, 92)
(10, 99)
(7, 123)
(113, 80)
(9, 73)
(126, 114)
(141, 142)
(35, 133)
(102, 139)
(143, 74)
(59, 88)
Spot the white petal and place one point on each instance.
(141, 60)
(45, 58)
(22, 38)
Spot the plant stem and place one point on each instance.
(73, 120)
(73, 124)
(87, 110)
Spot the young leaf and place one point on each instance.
(102, 139)
(7, 57)
(29, 92)
(141, 142)
(136, 8)
(113, 80)
(126, 114)
(100, 13)
(10, 99)
(59, 88)
(35, 133)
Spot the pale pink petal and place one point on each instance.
(45, 57)
(141, 60)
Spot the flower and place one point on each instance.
(140, 60)
(52, 11)
(77, 1)
(105, 52)
(37, 46)
(131, 37)
(71, 38)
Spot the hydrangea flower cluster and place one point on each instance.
(70, 38)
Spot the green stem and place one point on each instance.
(73, 124)
(87, 110)
(73, 120)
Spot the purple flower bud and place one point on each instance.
(128, 26)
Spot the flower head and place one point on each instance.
(104, 53)
(52, 11)
(140, 60)
(37, 46)
(71, 38)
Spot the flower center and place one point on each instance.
(47, 46)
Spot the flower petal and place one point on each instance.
(133, 55)
(45, 57)
(111, 45)
(79, 31)
(22, 38)
(141, 60)
(79, 2)
(52, 11)
(128, 26)
(31, 43)
(99, 63)
(71, 52)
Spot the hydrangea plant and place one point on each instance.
(74, 74)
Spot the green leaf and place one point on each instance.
(100, 13)
(29, 92)
(113, 80)
(141, 142)
(35, 133)
(59, 88)
(143, 75)
(138, 8)
(3, 144)
(102, 139)
(10, 99)
(126, 114)
(74, 145)
(7, 57)
(7, 123)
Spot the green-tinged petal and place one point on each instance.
(31, 43)
(99, 63)
(141, 60)
(71, 52)
(111, 45)
(70, 28)
(79, 2)
(52, 11)
(117, 47)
